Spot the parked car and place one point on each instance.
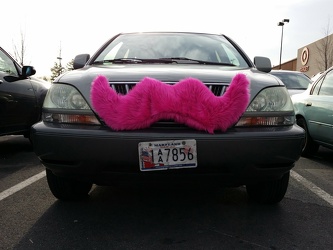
(21, 96)
(170, 107)
(295, 81)
(314, 110)
(316, 76)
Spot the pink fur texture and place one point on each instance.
(188, 102)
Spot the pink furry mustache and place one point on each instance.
(187, 102)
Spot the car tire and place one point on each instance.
(268, 192)
(67, 189)
(310, 147)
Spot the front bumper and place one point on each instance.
(103, 156)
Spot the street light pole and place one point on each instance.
(282, 24)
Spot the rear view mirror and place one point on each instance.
(28, 71)
(263, 63)
(80, 61)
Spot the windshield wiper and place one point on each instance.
(119, 60)
(177, 59)
(135, 60)
(160, 60)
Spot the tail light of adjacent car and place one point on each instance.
(271, 107)
(64, 104)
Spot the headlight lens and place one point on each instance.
(271, 107)
(65, 97)
(64, 104)
(272, 99)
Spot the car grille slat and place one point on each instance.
(122, 88)
(217, 89)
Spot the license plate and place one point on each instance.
(162, 155)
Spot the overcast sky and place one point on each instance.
(83, 26)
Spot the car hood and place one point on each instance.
(133, 73)
(40, 82)
(295, 91)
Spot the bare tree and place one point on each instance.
(20, 50)
(325, 49)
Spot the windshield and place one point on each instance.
(293, 80)
(180, 47)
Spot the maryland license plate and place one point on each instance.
(161, 155)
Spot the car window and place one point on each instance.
(231, 55)
(294, 81)
(327, 85)
(7, 65)
(209, 48)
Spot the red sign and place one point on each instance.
(305, 56)
(304, 69)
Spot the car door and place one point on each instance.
(319, 110)
(17, 98)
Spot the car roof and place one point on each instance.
(166, 32)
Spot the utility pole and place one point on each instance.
(282, 24)
(59, 57)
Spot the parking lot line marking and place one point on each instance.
(21, 185)
(308, 184)
(312, 187)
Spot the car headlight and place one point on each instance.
(64, 104)
(271, 107)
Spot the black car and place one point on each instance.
(21, 96)
(168, 107)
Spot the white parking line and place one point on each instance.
(21, 185)
(312, 187)
(308, 184)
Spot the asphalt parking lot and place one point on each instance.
(191, 217)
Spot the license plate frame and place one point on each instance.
(170, 154)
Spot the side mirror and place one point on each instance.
(263, 64)
(28, 71)
(80, 61)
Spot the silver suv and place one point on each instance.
(168, 107)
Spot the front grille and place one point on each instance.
(122, 88)
(218, 89)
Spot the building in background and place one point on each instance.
(289, 65)
(312, 58)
